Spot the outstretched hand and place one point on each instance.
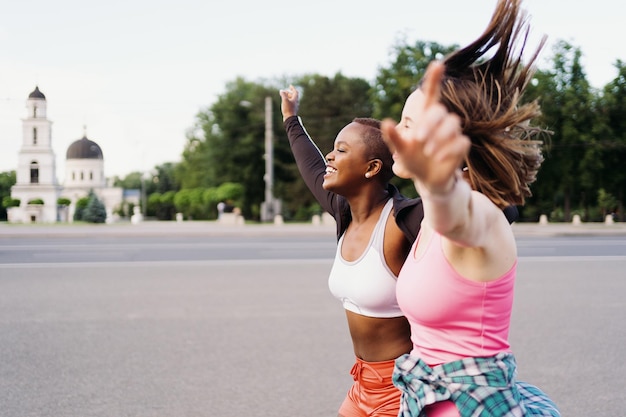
(289, 102)
(428, 141)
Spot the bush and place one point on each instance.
(167, 209)
(36, 201)
(162, 205)
(62, 201)
(557, 215)
(81, 204)
(305, 213)
(182, 201)
(231, 191)
(8, 201)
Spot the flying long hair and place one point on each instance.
(485, 92)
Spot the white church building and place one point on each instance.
(36, 180)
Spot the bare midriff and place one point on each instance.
(379, 339)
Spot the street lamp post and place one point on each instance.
(268, 206)
(271, 207)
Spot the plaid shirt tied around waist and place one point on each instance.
(479, 387)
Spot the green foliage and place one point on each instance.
(230, 191)
(212, 196)
(305, 213)
(131, 181)
(161, 179)
(405, 186)
(198, 207)
(406, 68)
(81, 205)
(606, 201)
(62, 201)
(197, 203)
(166, 209)
(226, 144)
(556, 215)
(572, 153)
(613, 132)
(182, 201)
(7, 180)
(528, 213)
(94, 212)
(8, 201)
(153, 205)
(36, 201)
(164, 179)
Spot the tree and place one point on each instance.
(613, 135)
(566, 100)
(161, 179)
(607, 202)
(227, 144)
(94, 211)
(164, 179)
(131, 181)
(7, 180)
(407, 66)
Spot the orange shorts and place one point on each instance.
(373, 393)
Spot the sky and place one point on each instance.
(133, 74)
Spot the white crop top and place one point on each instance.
(367, 286)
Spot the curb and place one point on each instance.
(212, 228)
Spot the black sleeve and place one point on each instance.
(311, 163)
(511, 213)
(409, 215)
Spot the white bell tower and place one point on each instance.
(36, 179)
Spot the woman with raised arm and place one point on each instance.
(465, 140)
(376, 226)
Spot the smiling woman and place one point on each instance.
(374, 231)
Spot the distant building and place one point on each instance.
(36, 180)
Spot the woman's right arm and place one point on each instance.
(310, 161)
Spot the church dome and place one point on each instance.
(84, 149)
(37, 94)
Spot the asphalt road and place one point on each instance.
(229, 324)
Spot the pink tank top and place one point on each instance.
(452, 317)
